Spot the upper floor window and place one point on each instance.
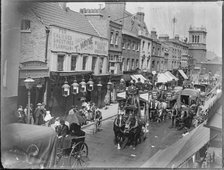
(129, 43)
(73, 62)
(94, 63)
(143, 44)
(133, 46)
(148, 45)
(101, 65)
(123, 44)
(116, 39)
(111, 38)
(84, 61)
(153, 64)
(60, 66)
(25, 25)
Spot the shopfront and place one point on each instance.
(73, 57)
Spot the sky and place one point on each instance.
(159, 15)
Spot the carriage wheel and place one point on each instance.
(78, 155)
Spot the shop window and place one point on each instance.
(73, 62)
(25, 25)
(60, 62)
(94, 63)
(84, 62)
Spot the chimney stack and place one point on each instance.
(140, 16)
(153, 33)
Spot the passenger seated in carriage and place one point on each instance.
(62, 131)
(75, 131)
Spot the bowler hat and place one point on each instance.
(39, 104)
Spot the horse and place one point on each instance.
(118, 127)
(162, 111)
(153, 107)
(132, 131)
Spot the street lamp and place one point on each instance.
(83, 86)
(90, 85)
(153, 82)
(75, 89)
(99, 86)
(29, 84)
(109, 85)
(65, 89)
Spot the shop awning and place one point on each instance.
(176, 154)
(136, 76)
(183, 74)
(171, 75)
(162, 78)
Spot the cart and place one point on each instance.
(75, 155)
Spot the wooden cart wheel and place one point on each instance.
(78, 155)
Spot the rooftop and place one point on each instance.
(53, 14)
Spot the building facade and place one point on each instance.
(62, 51)
(197, 44)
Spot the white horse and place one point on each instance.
(162, 111)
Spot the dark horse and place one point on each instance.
(132, 131)
(119, 125)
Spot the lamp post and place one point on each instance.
(99, 86)
(153, 79)
(29, 84)
(109, 84)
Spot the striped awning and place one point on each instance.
(183, 74)
(136, 76)
(171, 75)
(162, 78)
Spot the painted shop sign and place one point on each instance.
(72, 42)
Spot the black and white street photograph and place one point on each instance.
(111, 84)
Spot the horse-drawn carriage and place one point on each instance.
(32, 146)
(187, 106)
(129, 125)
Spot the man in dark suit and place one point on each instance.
(62, 131)
(38, 115)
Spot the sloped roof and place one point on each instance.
(52, 14)
(100, 25)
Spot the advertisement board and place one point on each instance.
(64, 40)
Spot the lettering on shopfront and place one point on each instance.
(67, 41)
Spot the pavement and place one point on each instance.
(108, 113)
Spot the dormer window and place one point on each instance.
(25, 25)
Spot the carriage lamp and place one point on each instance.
(83, 86)
(29, 84)
(75, 87)
(90, 85)
(65, 89)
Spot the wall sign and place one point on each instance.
(72, 42)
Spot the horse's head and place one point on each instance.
(120, 120)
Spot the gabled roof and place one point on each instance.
(53, 14)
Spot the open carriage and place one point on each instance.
(32, 146)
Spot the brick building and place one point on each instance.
(62, 50)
